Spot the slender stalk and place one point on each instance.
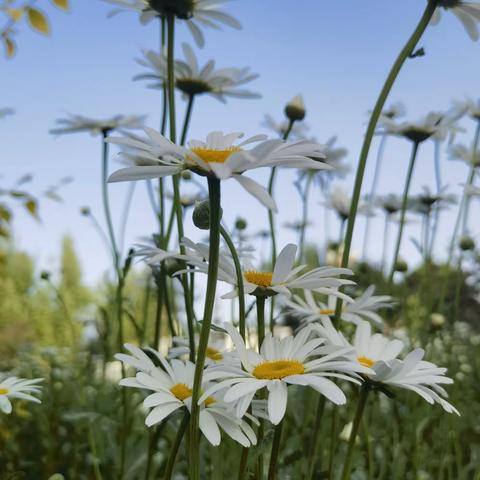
(392, 76)
(306, 194)
(438, 182)
(403, 211)
(188, 117)
(462, 206)
(373, 191)
(175, 447)
(215, 215)
(260, 338)
(362, 401)
(386, 230)
(125, 214)
(277, 434)
(314, 441)
(241, 289)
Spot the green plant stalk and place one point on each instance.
(260, 338)
(175, 447)
(277, 435)
(333, 441)
(314, 441)
(176, 178)
(462, 206)
(373, 191)
(438, 182)
(386, 230)
(392, 76)
(403, 211)
(238, 271)
(271, 221)
(306, 194)
(188, 118)
(214, 192)
(125, 214)
(362, 401)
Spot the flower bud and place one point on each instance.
(240, 224)
(44, 275)
(401, 266)
(295, 109)
(437, 320)
(85, 211)
(186, 175)
(201, 215)
(466, 243)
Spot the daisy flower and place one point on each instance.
(192, 80)
(172, 387)
(79, 123)
(284, 277)
(298, 129)
(219, 156)
(467, 12)
(381, 355)
(217, 352)
(464, 154)
(196, 13)
(21, 388)
(340, 201)
(390, 203)
(364, 307)
(293, 360)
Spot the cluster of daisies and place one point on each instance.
(317, 355)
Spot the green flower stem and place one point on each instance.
(438, 182)
(305, 196)
(176, 178)
(271, 220)
(362, 401)
(175, 447)
(215, 216)
(314, 441)
(277, 434)
(125, 214)
(188, 117)
(333, 441)
(386, 230)
(392, 76)
(241, 289)
(260, 338)
(373, 191)
(403, 211)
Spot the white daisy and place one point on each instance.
(298, 129)
(464, 154)
(284, 277)
(191, 80)
(467, 12)
(217, 351)
(196, 13)
(390, 203)
(172, 387)
(21, 388)
(220, 157)
(363, 307)
(293, 360)
(340, 201)
(79, 123)
(380, 354)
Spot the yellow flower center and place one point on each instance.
(365, 361)
(216, 156)
(4, 391)
(278, 369)
(326, 311)
(262, 279)
(214, 354)
(182, 392)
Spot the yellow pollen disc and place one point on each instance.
(181, 391)
(3, 391)
(216, 156)
(365, 361)
(278, 369)
(262, 279)
(326, 311)
(214, 354)
(209, 401)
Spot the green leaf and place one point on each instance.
(214, 327)
(9, 45)
(62, 4)
(38, 21)
(5, 213)
(32, 207)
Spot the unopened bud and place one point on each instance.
(186, 175)
(437, 320)
(85, 211)
(240, 224)
(295, 109)
(466, 243)
(44, 275)
(201, 215)
(401, 266)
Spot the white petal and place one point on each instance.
(277, 401)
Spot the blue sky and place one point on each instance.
(336, 54)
